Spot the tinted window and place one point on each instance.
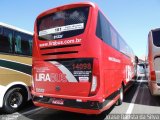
(123, 46)
(156, 38)
(6, 41)
(63, 24)
(105, 28)
(1, 30)
(98, 28)
(114, 38)
(108, 34)
(23, 44)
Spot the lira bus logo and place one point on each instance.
(43, 77)
(53, 77)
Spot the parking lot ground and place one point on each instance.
(137, 100)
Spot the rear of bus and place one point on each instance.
(154, 61)
(66, 59)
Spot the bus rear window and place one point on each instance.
(63, 24)
(156, 38)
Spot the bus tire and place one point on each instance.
(14, 100)
(121, 93)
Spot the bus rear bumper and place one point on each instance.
(87, 107)
(154, 88)
(69, 109)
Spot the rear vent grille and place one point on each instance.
(62, 46)
(61, 53)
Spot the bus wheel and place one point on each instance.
(121, 93)
(13, 100)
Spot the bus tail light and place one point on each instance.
(94, 84)
(95, 78)
(153, 75)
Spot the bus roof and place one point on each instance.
(15, 28)
(156, 29)
(63, 7)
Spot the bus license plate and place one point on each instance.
(58, 102)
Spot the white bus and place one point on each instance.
(15, 67)
(153, 59)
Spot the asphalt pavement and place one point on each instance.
(138, 104)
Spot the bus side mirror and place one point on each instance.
(136, 60)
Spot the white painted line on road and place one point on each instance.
(131, 106)
(142, 81)
(32, 111)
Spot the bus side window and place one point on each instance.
(98, 28)
(106, 34)
(103, 31)
(1, 32)
(114, 38)
(6, 41)
(18, 44)
(23, 44)
(122, 46)
(30, 42)
(156, 38)
(1, 38)
(10, 39)
(27, 45)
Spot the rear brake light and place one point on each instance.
(94, 85)
(153, 75)
(95, 78)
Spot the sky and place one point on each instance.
(133, 19)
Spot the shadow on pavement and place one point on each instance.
(62, 115)
(29, 105)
